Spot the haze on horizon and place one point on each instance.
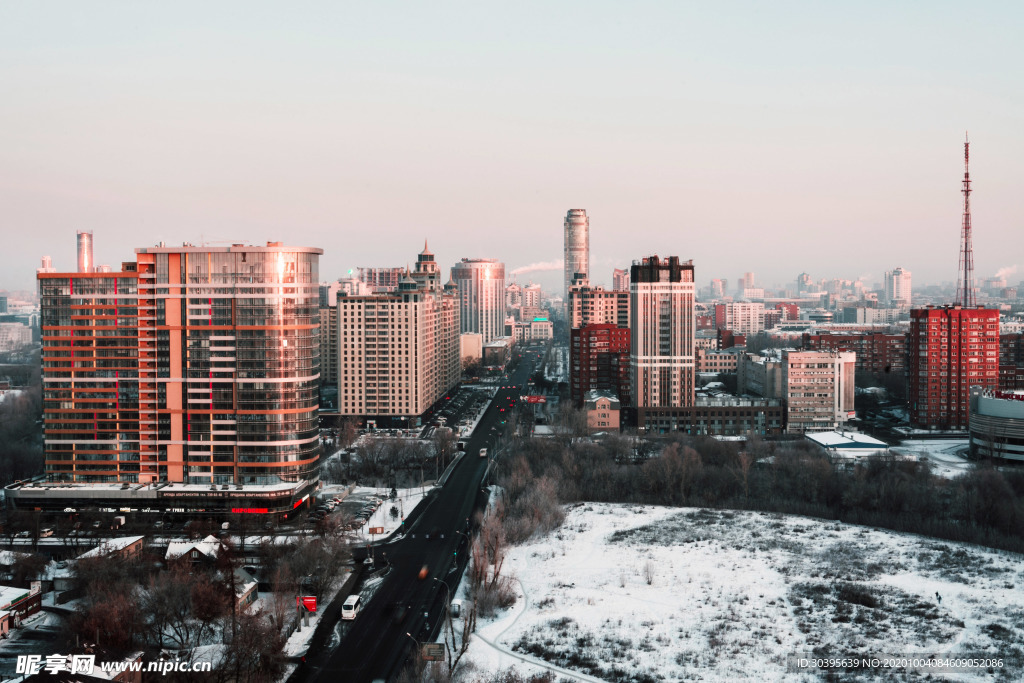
(769, 138)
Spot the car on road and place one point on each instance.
(483, 452)
(23, 534)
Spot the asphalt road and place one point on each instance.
(408, 606)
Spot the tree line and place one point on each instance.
(983, 506)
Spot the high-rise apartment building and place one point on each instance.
(85, 257)
(877, 353)
(190, 367)
(661, 322)
(897, 288)
(399, 351)
(599, 360)
(577, 246)
(950, 349)
(740, 316)
(719, 287)
(597, 306)
(481, 286)
(818, 387)
(620, 280)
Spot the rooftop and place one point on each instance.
(846, 441)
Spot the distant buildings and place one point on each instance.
(661, 322)
(381, 279)
(741, 317)
(399, 352)
(193, 366)
(481, 289)
(950, 349)
(577, 246)
(897, 286)
(620, 280)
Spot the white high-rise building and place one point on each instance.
(661, 322)
(577, 246)
(897, 286)
(481, 285)
(398, 352)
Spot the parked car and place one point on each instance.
(46, 533)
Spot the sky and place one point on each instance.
(776, 138)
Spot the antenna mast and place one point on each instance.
(965, 276)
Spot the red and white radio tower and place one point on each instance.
(965, 276)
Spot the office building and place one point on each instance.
(950, 349)
(85, 258)
(577, 247)
(188, 379)
(661, 321)
(997, 424)
(481, 287)
(818, 388)
(381, 279)
(399, 352)
(620, 280)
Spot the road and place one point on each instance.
(408, 606)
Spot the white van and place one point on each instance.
(350, 608)
(483, 452)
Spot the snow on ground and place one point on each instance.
(943, 454)
(633, 593)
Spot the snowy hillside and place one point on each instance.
(628, 593)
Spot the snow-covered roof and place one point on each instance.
(209, 547)
(111, 545)
(846, 441)
(244, 582)
(9, 557)
(9, 594)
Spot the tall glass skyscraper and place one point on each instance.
(481, 287)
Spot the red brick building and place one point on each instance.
(876, 352)
(599, 360)
(950, 349)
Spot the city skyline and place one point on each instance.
(661, 123)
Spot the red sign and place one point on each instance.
(376, 529)
(249, 511)
(300, 501)
(307, 601)
(533, 399)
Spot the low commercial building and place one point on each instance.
(717, 416)
(17, 604)
(848, 445)
(497, 353)
(997, 424)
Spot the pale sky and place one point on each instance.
(768, 137)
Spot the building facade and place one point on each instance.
(877, 353)
(481, 288)
(192, 365)
(576, 227)
(949, 350)
(597, 306)
(661, 322)
(741, 317)
(997, 424)
(399, 352)
(897, 286)
(818, 387)
(620, 280)
(599, 361)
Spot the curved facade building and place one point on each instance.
(192, 366)
(577, 247)
(997, 424)
(481, 287)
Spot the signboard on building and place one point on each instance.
(533, 399)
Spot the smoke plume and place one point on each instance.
(1005, 272)
(542, 265)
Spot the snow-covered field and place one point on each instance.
(943, 454)
(632, 593)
